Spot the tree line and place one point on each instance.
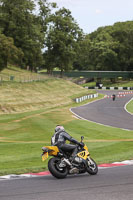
(37, 34)
(109, 48)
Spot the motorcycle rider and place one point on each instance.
(59, 139)
(113, 97)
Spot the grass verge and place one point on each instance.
(21, 141)
(129, 106)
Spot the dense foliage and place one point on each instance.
(108, 48)
(61, 41)
(36, 34)
(8, 52)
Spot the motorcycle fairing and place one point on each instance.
(84, 154)
(52, 150)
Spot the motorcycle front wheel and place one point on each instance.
(55, 169)
(92, 167)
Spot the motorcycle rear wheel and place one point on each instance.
(92, 167)
(56, 171)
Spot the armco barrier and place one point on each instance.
(90, 96)
(110, 88)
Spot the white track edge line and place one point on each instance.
(125, 107)
(94, 121)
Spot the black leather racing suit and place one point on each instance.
(61, 143)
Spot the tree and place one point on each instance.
(123, 32)
(8, 52)
(82, 61)
(103, 57)
(19, 21)
(111, 47)
(61, 41)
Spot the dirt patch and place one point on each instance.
(24, 142)
(2, 139)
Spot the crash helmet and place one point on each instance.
(59, 128)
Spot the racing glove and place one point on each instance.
(81, 144)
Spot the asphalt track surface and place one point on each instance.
(107, 112)
(109, 184)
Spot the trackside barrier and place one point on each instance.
(90, 96)
(120, 94)
(110, 88)
(22, 79)
(130, 92)
(103, 88)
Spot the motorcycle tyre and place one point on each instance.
(54, 171)
(90, 171)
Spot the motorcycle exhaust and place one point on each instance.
(74, 170)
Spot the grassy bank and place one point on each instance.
(23, 97)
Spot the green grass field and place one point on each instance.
(29, 114)
(21, 141)
(130, 106)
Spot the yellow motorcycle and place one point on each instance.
(61, 164)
